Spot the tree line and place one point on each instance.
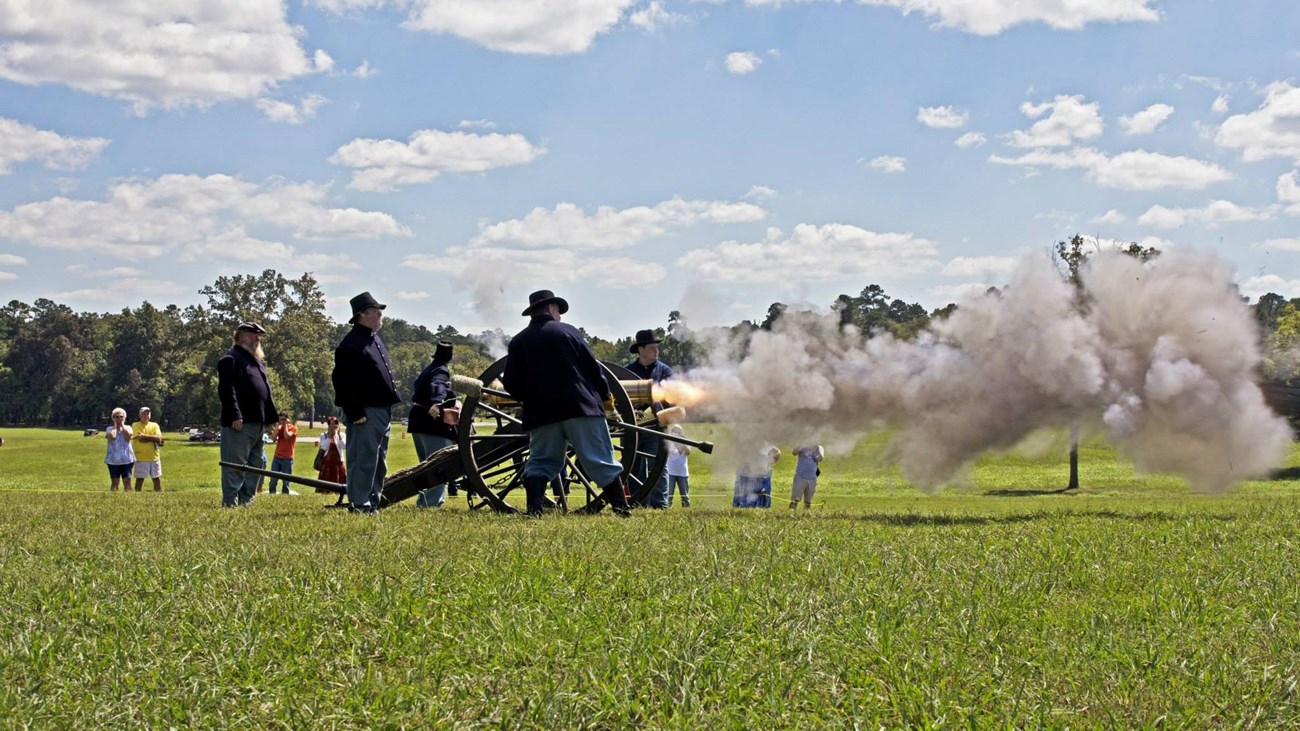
(64, 368)
(59, 367)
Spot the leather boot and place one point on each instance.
(535, 488)
(615, 493)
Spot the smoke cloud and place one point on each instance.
(1161, 359)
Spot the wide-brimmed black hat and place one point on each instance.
(250, 327)
(643, 337)
(442, 353)
(361, 303)
(542, 298)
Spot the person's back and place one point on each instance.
(553, 372)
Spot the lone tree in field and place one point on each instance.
(1072, 255)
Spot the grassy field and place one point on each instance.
(995, 604)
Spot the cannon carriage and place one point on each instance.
(491, 450)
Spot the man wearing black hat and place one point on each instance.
(562, 387)
(431, 393)
(647, 365)
(246, 409)
(365, 391)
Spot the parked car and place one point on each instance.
(204, 436)
(90, 432)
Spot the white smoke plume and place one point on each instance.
(1162, 359)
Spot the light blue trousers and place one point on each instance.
(241, 447)
(425, 445)
(589, 436)
(367, 453)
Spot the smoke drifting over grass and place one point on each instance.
(1161, 360)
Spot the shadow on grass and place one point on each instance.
(1012, 492)
(1286, 473)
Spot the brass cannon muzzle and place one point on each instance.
(640, 392)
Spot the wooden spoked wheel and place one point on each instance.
(493, 449)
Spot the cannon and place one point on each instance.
(491, 449)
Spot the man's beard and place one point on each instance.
(256, 350)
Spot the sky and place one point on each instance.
(634, 156)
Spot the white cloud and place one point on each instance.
(412, 296)
(364, 71)
(742, 62)
(1135, 170)
(1255, 287)
(1272, 130)
(20, 143)
(110, 273)
(942, 117)
(760, 193)
(1288, 191)
(989, 17)
(7, 276)
(288, 112)
(970, 139)
(1070, 119)
(520, 26)
(1213, 214)
(148, 218)
(1220, 105)
(804, 255)
(888, 164)
(569, 226)
(978, 266)
(1279, 244)
(1111, 216)
(167, 53)
(477, 124)
(959, 292)
(12, 260)
(1146, 121)
(653, 17)
(124, 290)
(382, 165)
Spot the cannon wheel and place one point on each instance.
(640, 487)
(495, 450)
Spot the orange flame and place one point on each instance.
(679, 392)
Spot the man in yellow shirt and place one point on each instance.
(146, 440)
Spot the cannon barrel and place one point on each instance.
(636, 388)
(334, 487)
(639, 391)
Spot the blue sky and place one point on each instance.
(635, 156)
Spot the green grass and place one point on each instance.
(991, 605)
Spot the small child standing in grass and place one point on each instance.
(806, 470)
(679, 472)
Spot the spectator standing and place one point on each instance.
(119, 457)
(286, 439)
(678, 468)
(332, 444)
(365, 391)
(562, 387)
(246, 409)
(432, 393)
(753, 487)
(146, 438)
(648, 366)
(807, 467)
